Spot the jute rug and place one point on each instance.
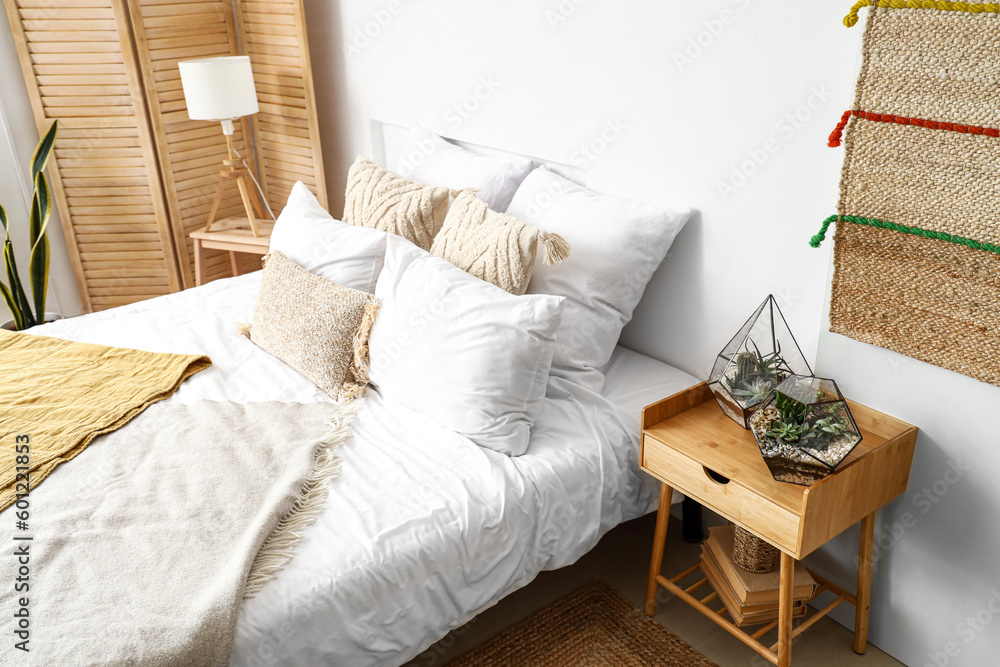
(917, 257)
(593, 627)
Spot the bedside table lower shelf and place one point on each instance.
(778, 653)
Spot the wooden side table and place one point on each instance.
(689, 445)
(232, 234)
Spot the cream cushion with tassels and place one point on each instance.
(494, 247)
(314, 325)
(380, 199)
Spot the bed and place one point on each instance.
(423, 529)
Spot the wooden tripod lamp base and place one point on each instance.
(234, 169)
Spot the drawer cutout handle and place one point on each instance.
(715, 477)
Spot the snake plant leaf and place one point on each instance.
(11, 305)
(41, 210)
(7, 296)
(23, 309)
(43, 150)
(38, 267)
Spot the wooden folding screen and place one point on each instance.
(104, 178)
(190, 151)
(287, 127)
(132, 176)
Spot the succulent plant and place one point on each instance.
(788, 432)
(792, 411)
(831, 425)
(772, 367)
(756, 392)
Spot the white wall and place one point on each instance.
(679, 119)
(547, 77)
(18, 137)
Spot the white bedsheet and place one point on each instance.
(423, 529)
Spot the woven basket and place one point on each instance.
(754, 554)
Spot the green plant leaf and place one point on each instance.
(11, 305)
(38, 267)
(43, 150)
(23, 309)
(3, 221)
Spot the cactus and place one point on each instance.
(746, 368)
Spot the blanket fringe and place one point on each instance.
(279, 547)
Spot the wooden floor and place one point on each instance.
(622, 560)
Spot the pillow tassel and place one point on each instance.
(243, 329)
(555, 249)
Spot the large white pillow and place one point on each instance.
(348, 255)
(617, 246)
(462, 351)
(428, 158)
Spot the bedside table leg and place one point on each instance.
(785, 602)
(199, 263)
(659, 541)
(864, 583)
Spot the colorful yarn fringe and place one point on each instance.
(818, 239)
(944, 5)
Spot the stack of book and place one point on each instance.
(749, 598)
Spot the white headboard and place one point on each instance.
(388, 138)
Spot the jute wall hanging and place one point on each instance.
(917, 244)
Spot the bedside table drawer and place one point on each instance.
(758, 514)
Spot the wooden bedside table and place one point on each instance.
(232, 234)
(689, 445)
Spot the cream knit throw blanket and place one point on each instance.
(142, 548)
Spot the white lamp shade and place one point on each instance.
(218, 88)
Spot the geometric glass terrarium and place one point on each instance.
(758, 358)
(804, 429)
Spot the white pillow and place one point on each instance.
(428, 158)
(462, 351)
(617, 246)
(348, 255)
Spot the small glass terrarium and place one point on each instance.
(804, 429)
(758, 358)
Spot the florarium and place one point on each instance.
(804, 429)
(755, 361)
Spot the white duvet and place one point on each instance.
(423, 529)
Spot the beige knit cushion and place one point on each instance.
(314, 325)
(380, 199)
(497, 248)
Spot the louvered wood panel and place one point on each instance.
(190, 152)
(104, 174)
(273, 34)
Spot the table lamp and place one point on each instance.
(222, 89)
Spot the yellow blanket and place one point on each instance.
(56, 396)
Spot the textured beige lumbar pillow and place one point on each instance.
(380, 199)
(497, 248)
(314, 325)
